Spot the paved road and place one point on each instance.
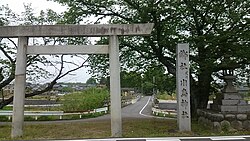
(140, 109)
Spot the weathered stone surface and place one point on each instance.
(206, 114)
(216, 127)
(206, 122)
(225, 125)
(241, 116)
(217, 117)
(248, 116)
(209, 115)
(226, 108)
(243, 108)
(230, 117)
(232, 130)
(200, 112)
(183, 88)
(68, 49)
(232, 96)
(76, 30)
(230, 102)
(201, 120)
(246, 124)
(237, 124)
(228, 78)
(209, 123)
(233, 102)
(242, 102)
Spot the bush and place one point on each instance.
(4, 118)
(92, 115)
(87, 100)
(166, 96)
(45, 118)
(29, 118)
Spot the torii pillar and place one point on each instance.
(111, 30)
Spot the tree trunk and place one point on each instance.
(200, 92)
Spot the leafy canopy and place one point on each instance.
(217, 32)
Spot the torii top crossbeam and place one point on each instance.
(76, 30)
(111, 30)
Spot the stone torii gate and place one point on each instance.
(113, 31)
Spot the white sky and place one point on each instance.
(37, 5)
(81, 75)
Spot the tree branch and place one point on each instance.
(10, 78)
(133, 5)
(93, 7)
(29, 61)
(7, 55)
(12, 42)
(82, 65)
(48, 88)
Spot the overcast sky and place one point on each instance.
(38, 5)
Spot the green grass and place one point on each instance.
(9, 108)
(101, 129)
(43, 108)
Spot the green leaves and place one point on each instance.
(217, 32)
(89, 99)
(91, 81)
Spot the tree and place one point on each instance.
(35, 63)
(103, 81)
(91, 81)
(131, 79)
(155, 77)
(217, 32)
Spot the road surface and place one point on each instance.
(140, 109)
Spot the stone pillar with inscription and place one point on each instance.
(183, 87)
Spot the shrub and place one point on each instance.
(86, 100)
(45, 118)
(29, 118)
(4, 118)
(166, 96)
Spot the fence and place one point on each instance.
(164, 113)
(36, 114)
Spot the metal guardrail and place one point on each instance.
(36, 114)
